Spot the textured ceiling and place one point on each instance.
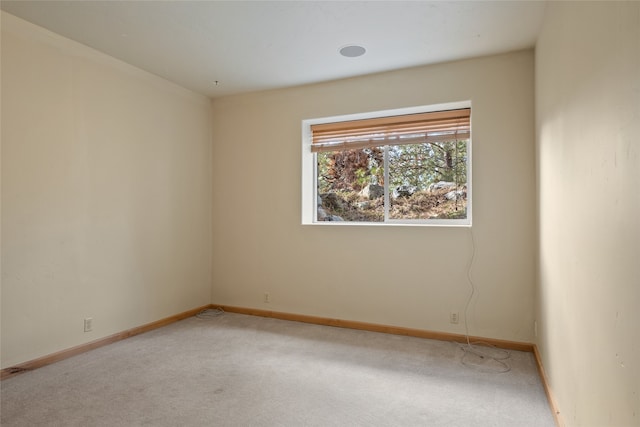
(257, 45)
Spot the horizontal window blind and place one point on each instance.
(439, 126)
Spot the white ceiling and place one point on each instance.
(256, 45)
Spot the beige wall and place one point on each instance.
(588, 149)
(401, 275)
(106, 195)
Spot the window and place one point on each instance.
(409, 166)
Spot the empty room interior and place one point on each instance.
(162, 182)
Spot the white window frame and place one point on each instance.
(309, 169)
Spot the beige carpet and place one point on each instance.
(238, 370)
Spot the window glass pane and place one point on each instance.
(350, 185)
(428, 181)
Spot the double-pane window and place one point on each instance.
(410, 168)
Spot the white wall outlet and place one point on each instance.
(454, 317)
(88, 324)
(267, 297)
(535, 328)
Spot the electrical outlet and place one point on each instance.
(454, 317)
(535, 328)
(267, 297)
(88, 324)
